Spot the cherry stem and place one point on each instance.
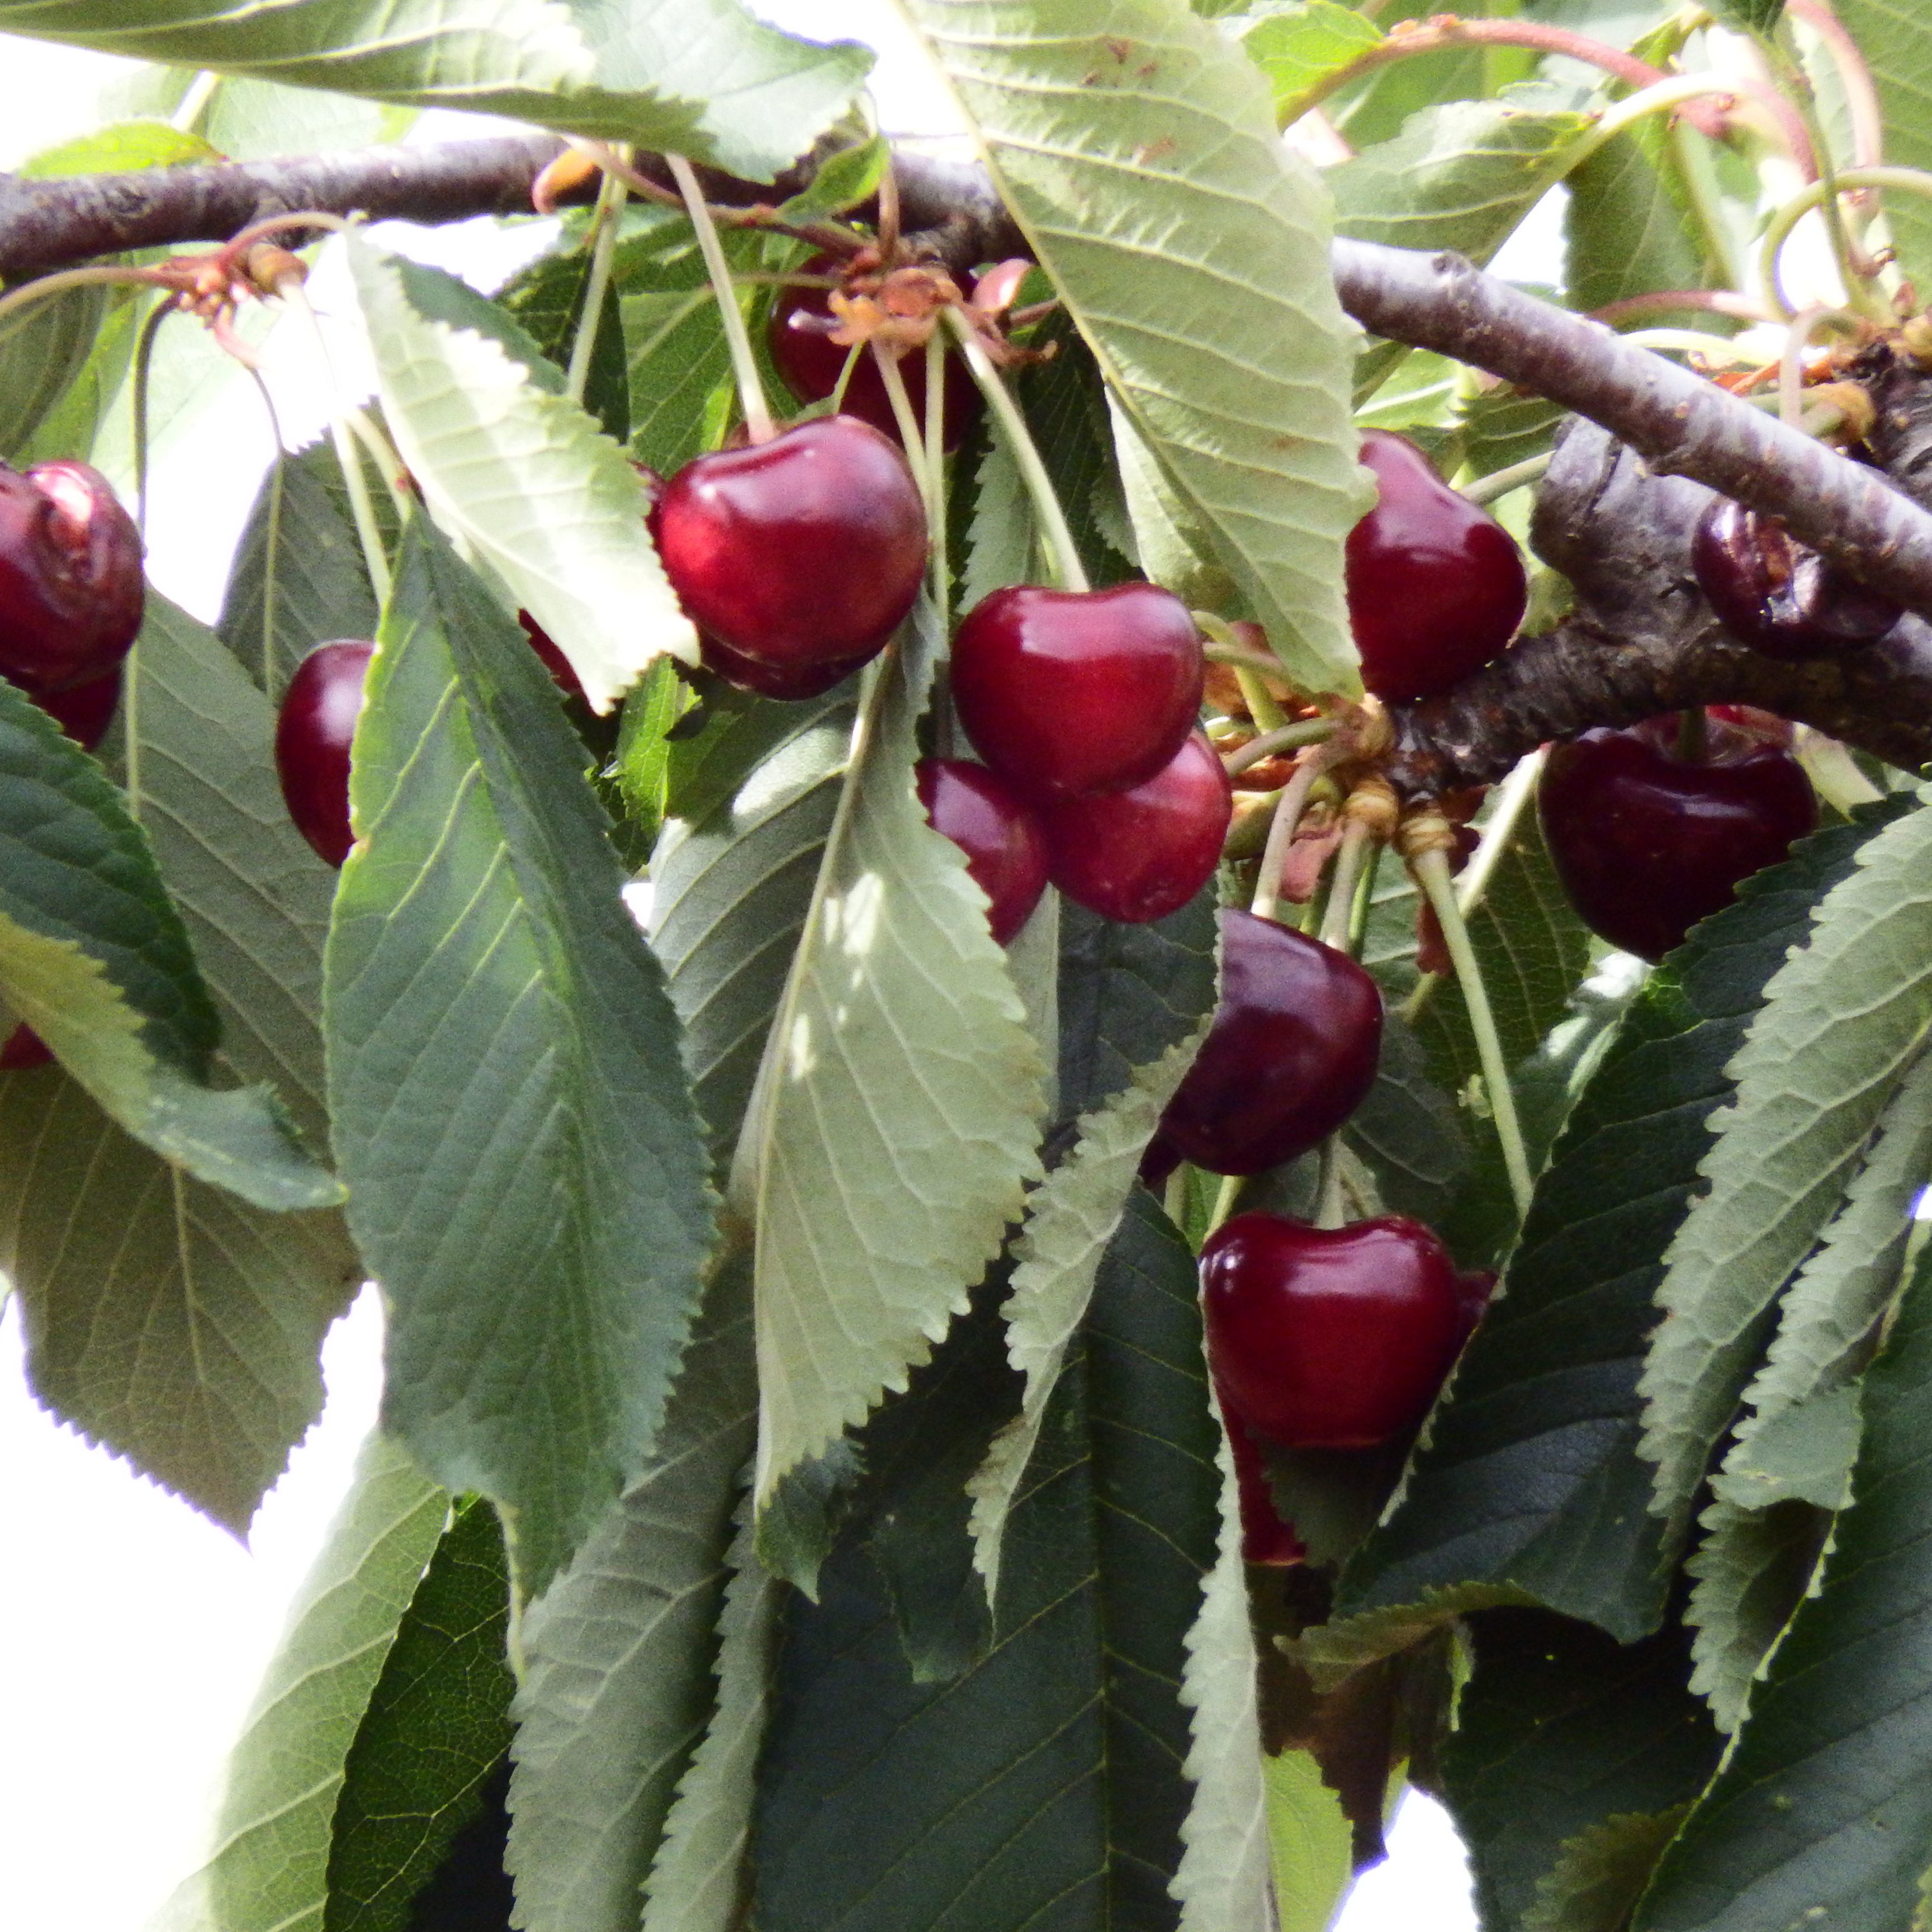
(1340, 918)
(1431, 869)
(1286, 738)
(836, 401)
(1501, 482)
(1262, 706)
(731, 318)
(1236, 655)
(1225, 1198)
(1331, 1208)
(910, 432)
(144, 363)
(1909, 181)
(941, 574)
(1662, 301)
(605, 217)
(1020, 446)
(1693, 734)
(1287, 812)
(1855, 78)
(46, 286)
(382, 453)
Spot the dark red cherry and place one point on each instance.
(1066, 692)
(1782, 599)
(1330, 1338)
(1435, 585)
(84, 711)
(799, 337)
(1265, 1538)
(1141, 854)
(71, 592)
(24, 1049)
(1290, 1055)
(313, 736)
(788, 682)
(1005, 847)
(554, 662)
(805, 550)
(1647, 842)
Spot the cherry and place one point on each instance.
(1290, 1055)
(313, 735)
(1066, 692)
(801, 552)
(84, 711)
(1782, 599)
(1141, 854)
(790, 683)
(1265, 1536)
(1435, 585)
(1647, 841)
(1330, 1338)
(551, 654)
(799, 337)
(1005, 848)
(71, 593)
(24, 1049)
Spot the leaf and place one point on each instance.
(547, 299)
(436, 1726)
(119, 147)
(1137, 149)
(1841, 1022)
(893, 1128)
(1071, 1220)
(618, 1687)
(298, 579)
(1896, 44)
(1299, 47)
(94, 957)
(1045, 1786)
(1560, 1730)
(1001, 537)
(1407, 1130)
(709, 81)
(1309, 1837)
(1756, 16)
(1600, 1874)
(697, 1882)
(522, 477)
(1623, 233)
(42, 350)
(751, 801)
(1459, 176)
(526, 1171)
(1530, 1480)
(267, 1871)
(1823, 1814)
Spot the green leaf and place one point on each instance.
(680, 366)
(522, 477)
(1407, 1132)
(94, 956)
(118, 148)
(1299, 47)
(547, 299)
(1000, 542)
(1624, 235)
(1071, 1221)
(1841, 1023)
(436, 1725)
(1530, 1480)
(892, 1129)
(298, 579)
(1600, 1874)
(1311, 1842)
(1756, 16)
(42, 350)
(1823, 1814)
(1459, 176)
(526, 1172)
(272, 1836)
(1138, 150)
(1559, 1730)
(1045, 1785)
(618, 1688)
(1897, 43)
(708, 80)
(752, 801)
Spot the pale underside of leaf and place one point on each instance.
(1070, 1222)
(1842, 1022)
(706, 78)
(1137, 149)
(542, 498)
(893, 1127)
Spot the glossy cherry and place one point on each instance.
(1782, 599)
(551, 655)
(313, 735)
(799, 337)
(1141, 854)
(804, 551)
(1290, 1055)
(71, 592)
(84, 711)
(1330, 1338)
(1067, 692)
(998, 831)
(1647, 842)
(24, 1049)
(1435, 585)
(789, 682)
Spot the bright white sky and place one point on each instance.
(134, 1630)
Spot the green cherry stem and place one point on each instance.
(1501, 482)
(1339, 921)
(604, 219)
(1020, 446)
(730, 316)
(1431, 869)
(909, 434)
(1281, 831)
(1288, 738)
